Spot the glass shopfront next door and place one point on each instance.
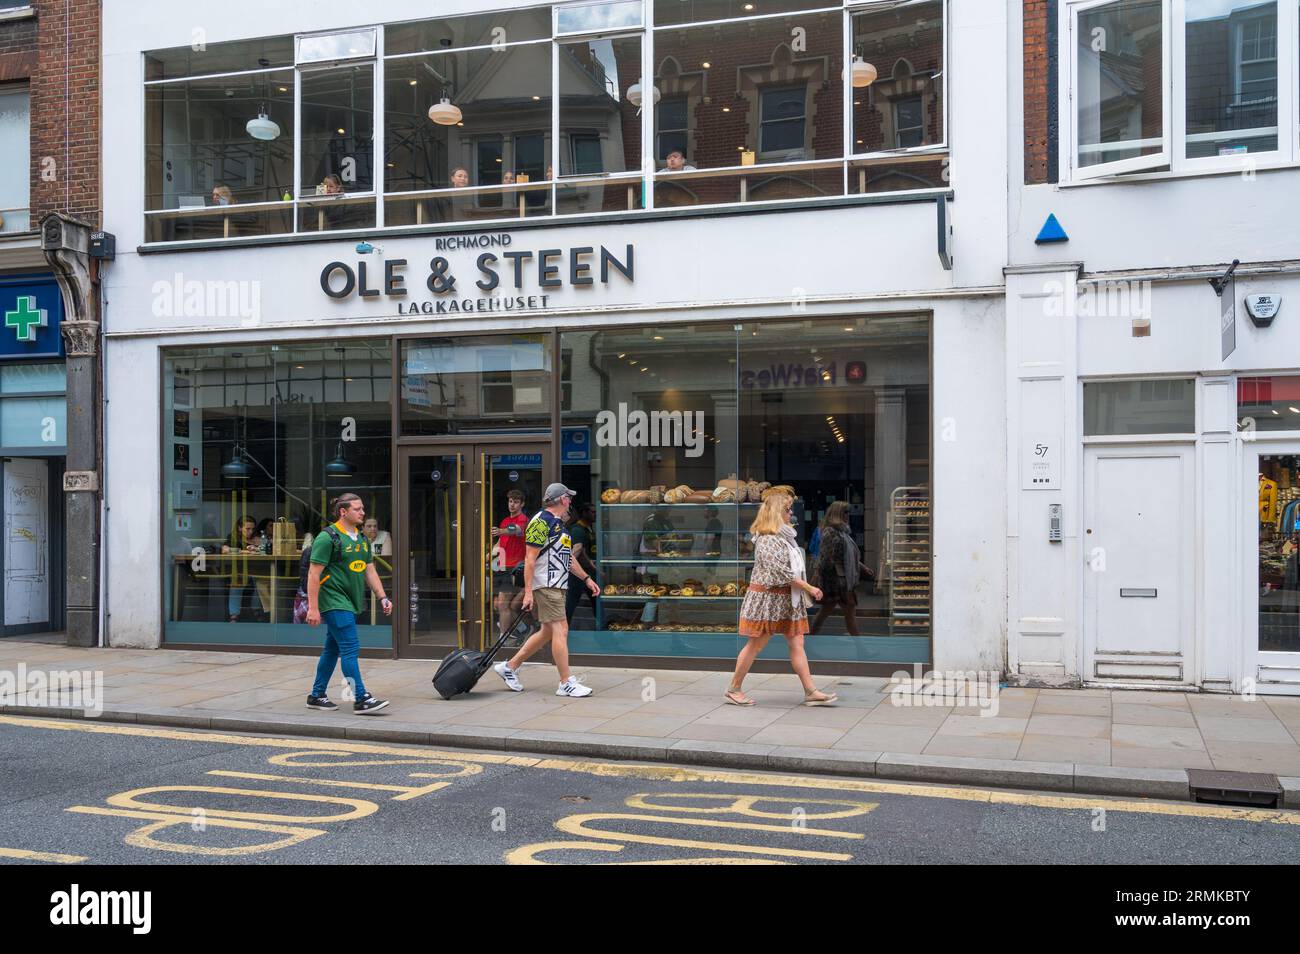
(463, 508)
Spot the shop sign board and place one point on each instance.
(31, 310)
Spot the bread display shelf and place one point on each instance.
(690, 599)
(909, 560)
(673, 561)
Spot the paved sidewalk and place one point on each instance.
(1085, 740)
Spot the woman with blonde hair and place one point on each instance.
(777, 600)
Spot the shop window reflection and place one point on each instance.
(763, 92)
(838, 410)
(257, 440)
(1279, 550)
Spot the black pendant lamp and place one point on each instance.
(237, 469)
(338, 468)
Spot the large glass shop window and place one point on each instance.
(256, 440)
(1279, 550)
(672, 434)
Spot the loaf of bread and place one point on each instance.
(635, 497)
(611, 496)
(724, 495)
(756, 491)
(676, 495)
(656, 495)
(699, 497)
(732, 483)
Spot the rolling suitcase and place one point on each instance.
(461, 670)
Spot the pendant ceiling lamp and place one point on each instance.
(634, 95)
(263, 127)
(864, 74)
(339, 468)
(236, 469)
(445, 112)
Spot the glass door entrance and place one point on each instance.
(463, 510)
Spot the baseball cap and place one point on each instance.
(555, 491)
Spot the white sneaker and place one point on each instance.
(508, 675)
(573, 688)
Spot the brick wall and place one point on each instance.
(1037, 89)
(57, 54)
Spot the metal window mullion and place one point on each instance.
(556, 170)
(649, 109)
(297, 143)
(378, 129)
(846, 85)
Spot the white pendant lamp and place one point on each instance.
(445, 112)
(864, 74)
(634, 94)
(263, 127)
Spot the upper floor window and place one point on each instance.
(1180, 85)
(589, 107)
(15, 154)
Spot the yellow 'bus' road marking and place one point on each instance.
(577, 825)
(357, 807)
(144, 837)
(670, 773)
(527, 855)
(407, 791)
(25, 855)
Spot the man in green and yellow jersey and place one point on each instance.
(341, 568)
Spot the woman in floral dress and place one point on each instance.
(777, 600)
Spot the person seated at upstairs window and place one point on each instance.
(221, 195)
(454, 208)
(331, 185)
(676, 162)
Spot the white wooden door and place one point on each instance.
(26, 542)
(1139, 537)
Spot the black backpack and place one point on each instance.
(304, 562)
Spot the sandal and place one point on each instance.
(737, 698)
(827, 698)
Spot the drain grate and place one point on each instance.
(1256, 789)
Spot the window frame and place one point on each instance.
(853, 8)
(555, 143)
(1069, 89)
(1173, 160)
(23, 89)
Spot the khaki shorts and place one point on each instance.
(548, 604)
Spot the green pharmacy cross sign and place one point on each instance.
(26, 318)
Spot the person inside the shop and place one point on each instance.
(221, 195)
(244, 539)
(837, 568)
(454, 207)
(546, 582)
(381, 544)
(676, 162)
(582, 533)
(331, 185)
(777, 600)
(342, 568)
(508, 580)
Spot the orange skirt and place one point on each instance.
(753, 628)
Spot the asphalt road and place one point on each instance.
(122, 794)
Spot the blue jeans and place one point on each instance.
(341, 642)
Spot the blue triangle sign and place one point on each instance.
(1052, 232)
